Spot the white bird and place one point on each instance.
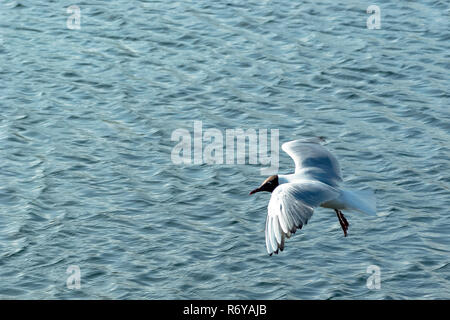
(314, 183)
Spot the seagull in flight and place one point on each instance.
(314, 183)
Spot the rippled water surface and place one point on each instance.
(86, 118)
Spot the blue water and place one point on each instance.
(86, 176)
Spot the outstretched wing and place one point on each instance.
(313, 161)
(290, 207)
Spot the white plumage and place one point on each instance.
(314, 183)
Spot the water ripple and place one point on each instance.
(85, 143)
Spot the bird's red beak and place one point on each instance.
(255, 191)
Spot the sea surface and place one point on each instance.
(88, 181)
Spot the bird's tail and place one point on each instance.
(361, 200)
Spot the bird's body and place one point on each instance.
(314, 183)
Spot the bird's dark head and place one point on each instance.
(268, 185)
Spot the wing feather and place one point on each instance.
(313, 161)
(290, 207)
